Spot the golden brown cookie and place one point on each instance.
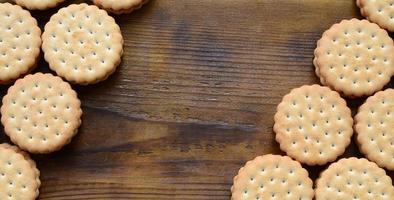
(354, 57)
(272, 177)
(82, 44)
(20, 41)
(38, 4)
(354, 179)
(19, 177)
(374, 127)
(380, 12)
(41, 113)
(120, 7)
(313, 124)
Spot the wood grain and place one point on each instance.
(193, 99)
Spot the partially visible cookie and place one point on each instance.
(354, 179)
(380, 12)
(120, 7)
(374, 127)
(20, 41)
(313, 124)
(272, 177)
(41, 113)
(19, 176)
(82, 44)
(354, 57)
(38, 4)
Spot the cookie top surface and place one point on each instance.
(313, 124)
(19, 177)
(82, 43)
(20, 41)
(272, 177)
(354, 178)
(378, 11)
(355, 57)
(374, 127)
(38, 4)
(41, 113)
(119, 5)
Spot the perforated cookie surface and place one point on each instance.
(41, 113)
(82, 43)
(313, 124)
(272, 177)
(38, 4)
(378, 11)
(20, 40)
(19, 177)
(355, 57)
(374, 125)
(355, 179)
(120, 7)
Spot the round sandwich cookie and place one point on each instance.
(82, 43)
(380, 12)
(120, 7)
(20, 41)
(355, 179)
(313, 124)
(354, 57)
(38, 4)
(41, 113)
(19, 176)
(374, 127)
(272, 177)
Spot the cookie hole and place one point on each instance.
(332, 145)
(347, 45)
(373, 35)
(60, 22)
(382, 46)
(358, 43)
(369, 47)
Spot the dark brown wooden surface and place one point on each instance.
(193, 99)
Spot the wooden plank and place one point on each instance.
(193, 99)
